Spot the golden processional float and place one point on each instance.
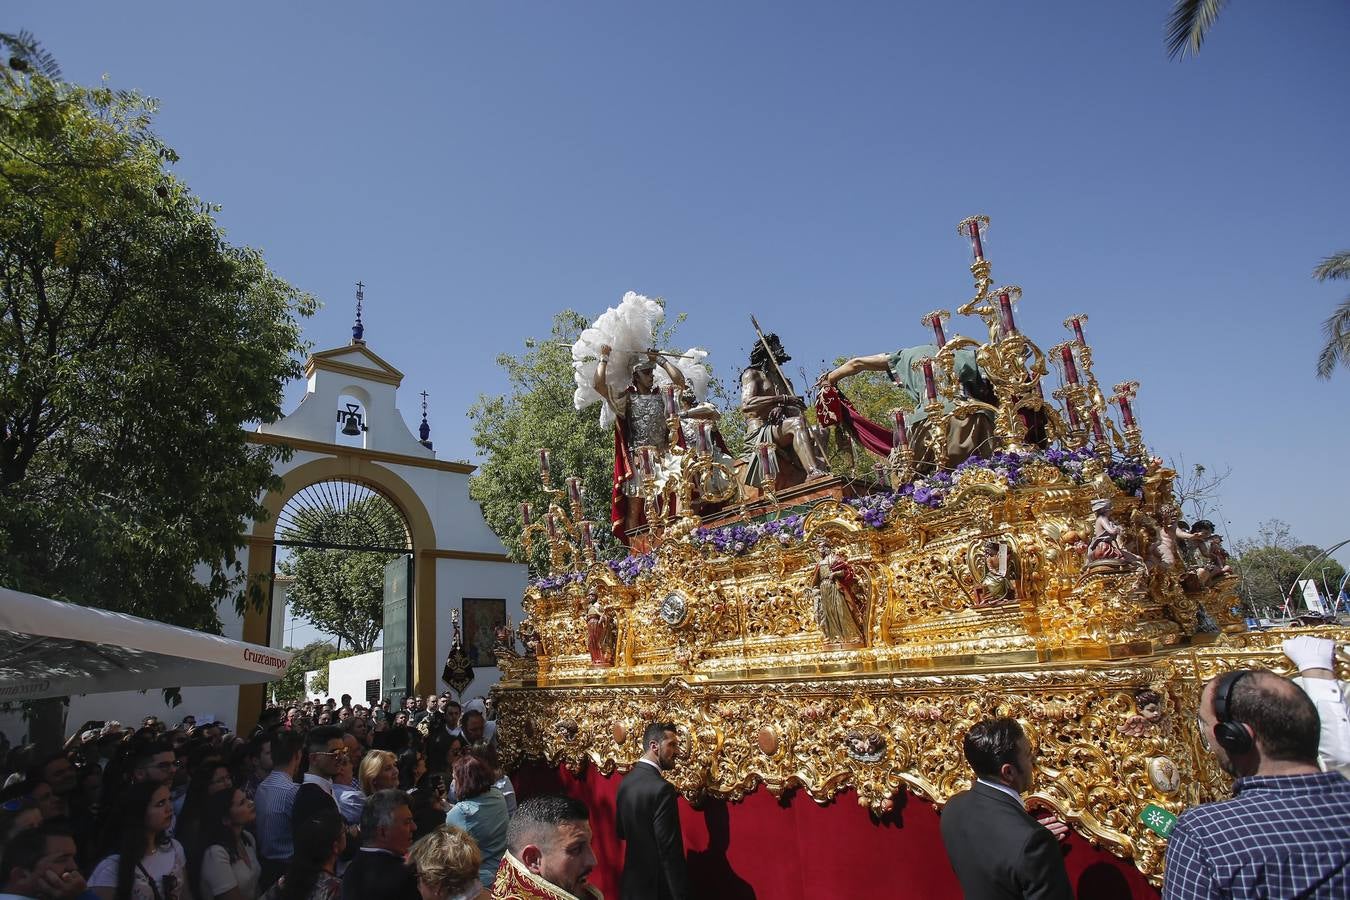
(1049, 582)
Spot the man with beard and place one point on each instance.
(776, 416)
(1283, 834)
(548, 852)
(649, 820)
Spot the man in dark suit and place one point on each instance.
(1000, 852)
(326, 751)
(378, 872)
(648, 819)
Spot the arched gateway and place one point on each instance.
(348, 430)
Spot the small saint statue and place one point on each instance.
(1106, 549)
(840, 611)
(599, 634)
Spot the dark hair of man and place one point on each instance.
(469, 715)
(269, 716)
(318, 738)
(991, 744)
(454, 703)
(143, 753)
(407, 767)
(285, 746)
(379, 811)
(314, 840)
(1202, 525)
(473, 776)
(655, 732)
(28, 847)
(536, 820)
(1284, 719)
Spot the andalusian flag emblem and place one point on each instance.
(1158, 820)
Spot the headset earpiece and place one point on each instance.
(1232, 735)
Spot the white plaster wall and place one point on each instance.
(457, 579)
(349, 675)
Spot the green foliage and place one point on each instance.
(1270, 563)
(342, 591)
(509, 430)
(1189, 24)
(317, 655)
(135, 345)
(1336, 329)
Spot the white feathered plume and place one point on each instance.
(696, 374)
(628, 327)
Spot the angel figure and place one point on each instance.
(840, 611)
(1105, 550)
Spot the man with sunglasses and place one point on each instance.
(327, 752)
(153, 761)
(1284, 833)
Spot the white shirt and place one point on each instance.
(656, 766)
(311, 778)
(998, 785)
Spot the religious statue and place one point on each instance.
(998, 563)
(775, 417)
(970, 435)
(599, 633)
(1106, 549)
(840, 611)
(1202, 555)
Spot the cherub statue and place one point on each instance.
(1105, 550)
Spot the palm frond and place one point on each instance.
(1337, 348)
(1188, 25)
(24, 49)
(1337, 265)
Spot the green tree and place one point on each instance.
(1270, 564)
(135, 346)
(508, 431)
(312, 656)
(342, 591)
(1336, 351)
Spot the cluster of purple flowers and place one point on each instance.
(550, 583)
(630, 567)
(737, 539)
(931, 490)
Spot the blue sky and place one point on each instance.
(482, 165)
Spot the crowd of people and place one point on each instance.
(324, 800)
(333, 800)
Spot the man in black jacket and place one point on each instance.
(996, 848)
(379, 872)
(648, 819)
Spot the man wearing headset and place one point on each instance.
(1284, 833)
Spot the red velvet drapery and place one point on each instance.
(793, 849)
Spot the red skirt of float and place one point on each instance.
(792, 848)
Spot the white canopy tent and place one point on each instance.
(54, 649)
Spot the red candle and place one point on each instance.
(1097, 433)
(1006, 314)
(1078, 331)
(525, 514)
(1070, 370)
(586, 536)
(543, 464)
(704, 437)
(668, 394)
(1073, 414)
(551, 522)
(899, 432)
(975, 244)
(768, 459)
(1126, 412)
(929, 384)
(574, 490)
(941, 336)
(648, 466)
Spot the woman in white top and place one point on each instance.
(225, 865)
(144, 862)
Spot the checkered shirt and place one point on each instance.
(1281, 836)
